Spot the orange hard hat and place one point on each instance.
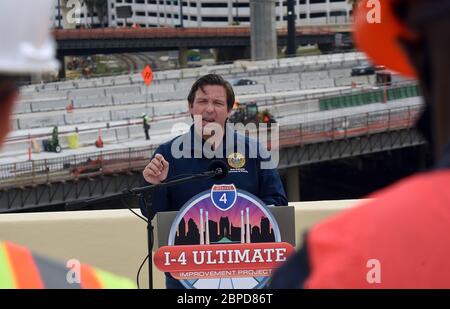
(380, 40)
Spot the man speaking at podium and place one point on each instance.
(210, 138)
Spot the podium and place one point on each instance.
(283, 215)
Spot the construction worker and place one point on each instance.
(398, 239)
(55, 134)
(22, 269)
(145, 125)
(27, 48)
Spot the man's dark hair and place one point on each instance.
(212, 79)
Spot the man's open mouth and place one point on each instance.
(208, 120)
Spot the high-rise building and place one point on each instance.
(191, 13)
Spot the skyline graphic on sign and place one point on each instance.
(224, 226)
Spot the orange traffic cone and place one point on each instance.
(70, 108)
(99, 141)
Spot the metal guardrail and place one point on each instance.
(110, 162)
(72, 167)
(350, 126)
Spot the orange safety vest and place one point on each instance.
(397, 240)
(22, 269)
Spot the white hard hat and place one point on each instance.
(26, 42)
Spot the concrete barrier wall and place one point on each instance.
(87, 92)
(123, 90)
(112, 240)
(104, 82)
(14, 124)
(283, 70)
(55, 96)
(86, 117)
(241, 90)
(29, 121)
(85, 139)
(155, 88)
(47, 95)
(130, 113)
(48, 87)
(314, 75)
(136, 78)
(50, 105)
(86, 83)
(169, 124)
(22, 108)
(170, 96)
(261, 79)
(316, 83)
(307, 214)
(162, 109)
(120, 99)
(67, 86)
(28, 89)
(167, 81)
(287, 86)
(285, 65)
(292, 109)
(339, 72)
(137, 132)
(91, 102)
(122, 133)
(14, 148)
(115, 240)
(171, 74)
(89, 138)
(41, 122)
(122, 80)
(184, 84)
(285, 78)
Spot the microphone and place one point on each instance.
(220, 169)
(217, 169)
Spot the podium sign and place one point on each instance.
(223, 238)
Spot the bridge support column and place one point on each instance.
(293, 184)
(62, 68)
(183, 57)
(263, 35)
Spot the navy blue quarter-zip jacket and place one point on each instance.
(243, 156)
